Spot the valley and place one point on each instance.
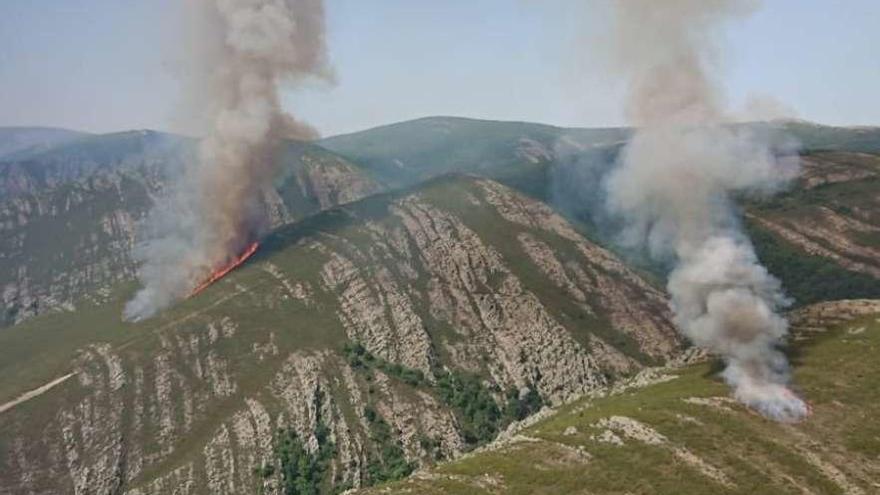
(425, 286)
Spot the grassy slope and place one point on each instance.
(837, 450)
(38, 351)
(407, 152)
(432, 146)
(65, 232)
(425, 148)
(41, 349)
(808, 278)
(819, 137)
(811, 278)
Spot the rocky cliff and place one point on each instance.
(370, 340)
(834, 211)
(68, 216)
(400, 330)
(675, 430)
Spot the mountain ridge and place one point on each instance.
(563, 171)
(433, 307)
(674, 430)
(21, 139)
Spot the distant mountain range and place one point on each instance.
(21, 141)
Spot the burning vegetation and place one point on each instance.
(238, 54)
(224, 270)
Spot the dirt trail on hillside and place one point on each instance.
(34, 393)
(48, 386)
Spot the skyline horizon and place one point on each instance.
(102, 66)
(463, 117)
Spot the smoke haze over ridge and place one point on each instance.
(673, 187)
(237, 56)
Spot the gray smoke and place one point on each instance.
(237, 55)
(674, 183)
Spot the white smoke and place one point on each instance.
(237, 56)
(674, 187)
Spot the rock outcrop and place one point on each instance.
(68, 223)
(194, 401)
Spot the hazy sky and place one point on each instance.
(103, 65)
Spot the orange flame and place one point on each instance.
(221, 272)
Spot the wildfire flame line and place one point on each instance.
(221, 272)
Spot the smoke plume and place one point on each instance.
(674, 185)
(237, 55)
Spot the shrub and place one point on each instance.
(391, 463)
(302, 472)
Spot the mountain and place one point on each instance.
(37, 170)
(516, 153)
(811, 136)
(820, 236)
(408, 152)
(676, 431)
(377, 337)
(22, 140)
(426, 285)
(68, 214)
(94, 189)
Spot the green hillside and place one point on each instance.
(408, 152)
(69, 215)
(405, 153)
(20, 140)
(822, 237)
(684, 436)
(90, 192)
(397, 331)
(816, 137)
(426, 285)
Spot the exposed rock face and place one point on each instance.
(60, 245)
(378, 314)
(44, 168)
(680, 431)
(833, 236)
(69, 233)
(821, 169)
(632, 304)
(533, 151)
(818, 317)
(192, 403)
(506, 325)
(331, 181)
(462, 276)
(834, 212)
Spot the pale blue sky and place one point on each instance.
(102, 65)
